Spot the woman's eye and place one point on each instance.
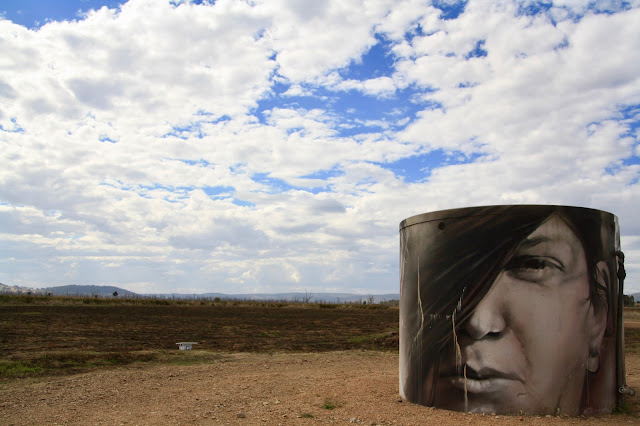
(533, 264)
(530, 268)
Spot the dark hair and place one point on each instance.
(452, 259)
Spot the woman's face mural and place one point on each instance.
(528, 342)
(522, 328)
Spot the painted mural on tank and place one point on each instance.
(511, 309)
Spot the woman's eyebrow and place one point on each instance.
(556, 246)
(532, 242)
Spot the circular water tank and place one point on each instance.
(512, 309)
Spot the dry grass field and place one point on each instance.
(102, 361)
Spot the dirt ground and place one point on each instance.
(341, 387)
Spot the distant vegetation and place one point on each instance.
(135, 299)
(629, 300)
(102, 291)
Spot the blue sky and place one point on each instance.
(35, 13)
(272, 146)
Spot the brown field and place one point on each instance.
(92, 361)
(58, 338)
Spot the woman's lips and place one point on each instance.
(483, 380)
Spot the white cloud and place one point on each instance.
(520, 92)
(311, 41)
(297, 90)
(148, 64)
(379, 87)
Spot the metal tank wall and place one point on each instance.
(511, 309)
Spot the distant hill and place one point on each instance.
(86, 290)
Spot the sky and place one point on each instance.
(267, 146)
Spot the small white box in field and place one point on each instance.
(186, 346)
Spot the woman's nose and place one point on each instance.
(488, 320)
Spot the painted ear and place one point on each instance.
(598, 317)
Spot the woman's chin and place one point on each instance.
(473, 407)
(511, 400)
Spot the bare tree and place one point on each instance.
(307, 297)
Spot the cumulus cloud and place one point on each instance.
(254, 146)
